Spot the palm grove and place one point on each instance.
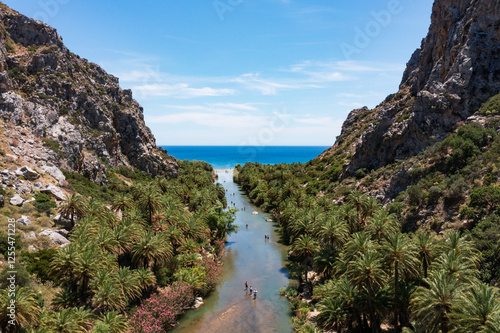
(159, 239)
(376, 269)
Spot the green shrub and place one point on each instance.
(4, 243)
(44, 203)
(38, 263)
(23, 278)
(491, 107)
(415, 195)
(53, 145)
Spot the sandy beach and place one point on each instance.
(223, 170)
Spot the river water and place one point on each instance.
(249, 257)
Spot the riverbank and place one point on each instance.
(249, 257)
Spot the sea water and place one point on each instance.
(226, 157)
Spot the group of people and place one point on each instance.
(251, 290)
(266, 237)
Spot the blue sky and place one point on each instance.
(244, 72)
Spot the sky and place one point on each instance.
(244, 72)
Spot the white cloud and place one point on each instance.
(180, 90)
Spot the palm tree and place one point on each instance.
(128, 282)
(151, 249)
(381, 225)
(433, 305)
(150, 201)
(71, 320)
(121, 202)
(64, 265)
(461, 267)
(305, 247)
(401, 254)
(332, 313)
(366, 271)
(113, 322)
(108, 297)
(71, 207)
(361, 203)
(333, 231)
(27, 309)
(94, 207)
(426, 247)
(477, 310)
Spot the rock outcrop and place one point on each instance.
(456, 69)
(80, 111)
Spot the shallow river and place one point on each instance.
(249, 257)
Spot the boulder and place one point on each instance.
(24, 220)
(56, 238)
(16, 200)
(54, 172)
(30, 235)
(23, 189)
(27, 173)
(54, 191)
(32, 248)
(62, 221)
(197, 302)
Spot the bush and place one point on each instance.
(4, 243)
(415, 195)
(44, 203)
(435, 193)
(23, 278)
(158, 313)
(486, 199)
(491, 107)
(38, 263)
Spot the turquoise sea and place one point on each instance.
(226, 157)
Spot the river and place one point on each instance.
(249, 257)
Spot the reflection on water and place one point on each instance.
(248, 258)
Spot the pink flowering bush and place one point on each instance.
(159, 312)
(213, 272)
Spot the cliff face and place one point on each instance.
(456, 69)
(62, 97)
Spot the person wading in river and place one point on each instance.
(246, 285)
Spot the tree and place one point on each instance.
(332, 313)
(151, 249)
(150, 201)
(71, 207)
(305, 247)
(121, 202)
(401, 254)
(27, 309)
(366, 271)
(477, 310)
(71, 320)
(433, 304)
(113, 322)
(426, 247)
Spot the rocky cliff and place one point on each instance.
(78, 109)
(456, 69)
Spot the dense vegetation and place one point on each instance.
(133, 264)
(402, 265)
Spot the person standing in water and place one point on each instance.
(255, 294)
(246, 285)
